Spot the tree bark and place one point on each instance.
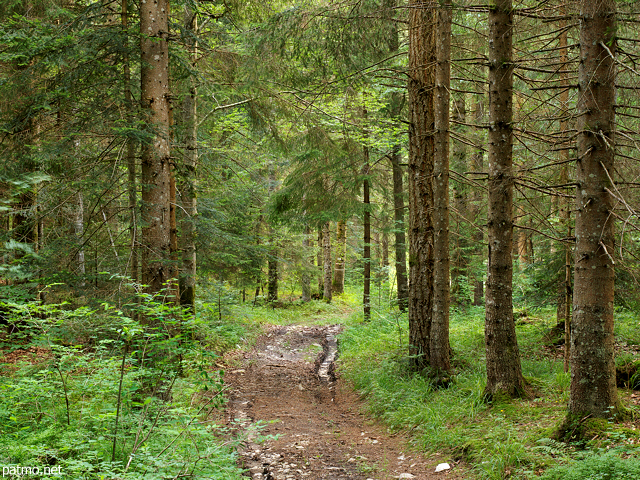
(366, 257)
(439, 346)
(341, 254)
(131, 158)
(504, 374)
(320, 262)
(399, 230)
(272, 291)
(307, 266)
(421, 151)
(477, 165)
(78, 230)
(593, 376)
(396, 103)
(187, 277)
(564, 285)
(156, 155)
(459, 255)
(326, 249)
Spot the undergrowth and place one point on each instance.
(106, 392)
(512, 439)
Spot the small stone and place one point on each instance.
(406, 476)
(442, 467)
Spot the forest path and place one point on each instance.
(288, 383)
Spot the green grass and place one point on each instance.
(501, 440)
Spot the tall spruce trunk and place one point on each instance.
(366, 257)
(459, 259)
(156, 156)
(320, 262)
(187, 278)
(307, 265)
(131, 158)
(421, 150)
(399, 230)
(593, 376)
(477, 165)
(78, 230)
(439, 346)
(272, 275)
(564, 285)
(396, 104)
(326, 250)
(341, 255)
(504, 373)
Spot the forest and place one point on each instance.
(453, 184)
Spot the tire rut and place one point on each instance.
(309, 422)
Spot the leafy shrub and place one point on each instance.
(114, 393)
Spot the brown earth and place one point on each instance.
(311, 419)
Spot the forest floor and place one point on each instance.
(311, 425)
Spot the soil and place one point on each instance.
(311, 421)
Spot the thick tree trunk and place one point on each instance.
(421, 151)
(504, 374)
(156, 155)
(326, 249)
(189, 180)
(439, 347)
(399, 230)
(593, 375)
(341, 255)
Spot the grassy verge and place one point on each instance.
(501, 440)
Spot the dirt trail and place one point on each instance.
(288, 381)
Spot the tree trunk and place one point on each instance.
(320, 262)
(439, 347)
(272, 291)
(156, 155)
(395, 109)
(78, 230)
(504, 374)
(477, 165)
(421, 150)
(459, 259)
(366, 257)
(384, 257)
(593, 375)
(341, 254)
(326, 249)
(131, 158)
(399, 230)
(187, 277)
(307, 265)
(564, 285)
